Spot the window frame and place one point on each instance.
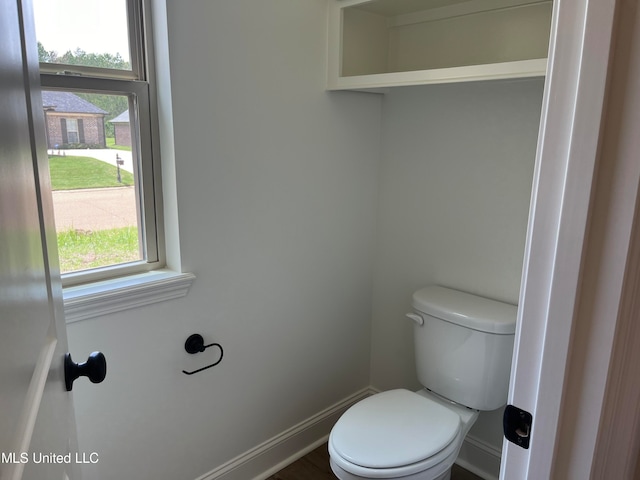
(138, 85)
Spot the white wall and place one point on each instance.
(279, 187)
(455, 183)
(276, 185)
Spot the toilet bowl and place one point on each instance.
(399, 434)
(463, 347)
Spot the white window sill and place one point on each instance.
(101, 298)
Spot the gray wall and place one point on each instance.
(455, 183)
(276, 185)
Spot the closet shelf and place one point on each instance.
(377, 44)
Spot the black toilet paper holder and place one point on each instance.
(195, 344)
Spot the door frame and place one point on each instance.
(553, 341)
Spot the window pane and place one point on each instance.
(94, 179)
(92, 33)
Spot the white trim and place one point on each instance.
(276, 453)
(567, 149)
(110, 296)
(479, 458)
(288, 461)
(470, 73)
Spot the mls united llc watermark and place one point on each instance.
(39, 457)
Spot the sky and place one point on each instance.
(95, 26)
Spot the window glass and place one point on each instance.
(99, 128)
(71, 125)
(92, 33)
(94, 179)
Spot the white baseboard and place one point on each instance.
(480, 458)
(276, 453)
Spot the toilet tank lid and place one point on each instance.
(466, 310)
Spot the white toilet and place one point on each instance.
(463, 347)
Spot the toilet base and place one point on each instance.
(425, 475)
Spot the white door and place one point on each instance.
(36, 412)
(574, 95)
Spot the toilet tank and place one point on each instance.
(463, 350)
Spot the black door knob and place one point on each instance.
(95, 368)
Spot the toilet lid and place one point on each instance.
(393, 429)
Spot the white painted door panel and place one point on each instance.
(35, 410)
(565, 168)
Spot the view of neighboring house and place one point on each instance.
(121, 129)
(71, 120)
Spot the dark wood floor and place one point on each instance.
(315, 466)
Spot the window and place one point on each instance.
(69, 127)
(97, 101)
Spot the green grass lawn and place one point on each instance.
(80, 250)
(71, 173)
(111, 143)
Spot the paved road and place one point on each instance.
(95, 209)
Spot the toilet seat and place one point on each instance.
(394, 434)
(427, 469)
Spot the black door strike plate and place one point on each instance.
(517, 425)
